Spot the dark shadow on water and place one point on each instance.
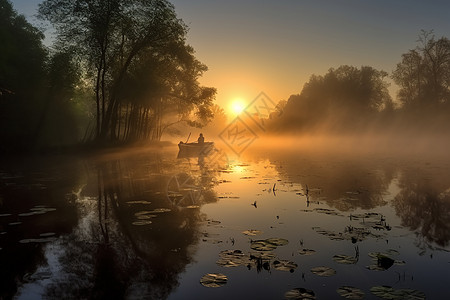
(36, 204)
(117, 233)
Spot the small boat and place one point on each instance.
(195, 148)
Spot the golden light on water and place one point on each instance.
(237, 169)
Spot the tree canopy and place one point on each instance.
(423, 75)
(342, 98)
(22, 64)
(136, 54)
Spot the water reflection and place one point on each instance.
(423, 204)
(356, 182)
(36, 206)
(138, 225)
(138, 239)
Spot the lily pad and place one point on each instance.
(306, 252)
(37, 210)
(323, 271)
(345, 259)
(192, 206)
(214, 280)
(387, 292)
(299, 294)
(14, 223)
(41, 240)
(139, 202)
(350, 292)
(382, 261)
(233, 258)
(145, 217)
(251, 232)
(285, 265)
(47, 234)
(278, 241)
(160, 210)
(142, 222)
(262, 245)
(262, 255)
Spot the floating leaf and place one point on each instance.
(323, 271)
(42, 240)
(345, 259)
(138, 202)
(233, 258)
(284, 265)
(251, 232)
(327, 211)
(268, 244)
(300, 293)
(262, 255)
(374, 267)
(47, 234)
(306, 252)
(214, 280)
(382, 261)
(278, 241)
(385, 262)
(160, 210)
(387, 292)
(145, 217)
(15, 223)
(27, 214)
(192, 206)
(350, 292)
(262, 245)
(37, 210)
(142, 222)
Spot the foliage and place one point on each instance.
(139, 63)
(214, 280)
(40, 90)
(338, 100)
(423, 75)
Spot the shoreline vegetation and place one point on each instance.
(125, 76)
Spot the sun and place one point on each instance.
(237, 106)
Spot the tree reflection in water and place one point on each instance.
(135, 225)
(110, 254)
(346, 182)
(361, 181)
(423, 204)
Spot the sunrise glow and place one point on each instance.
(237, 106)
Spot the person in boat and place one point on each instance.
(201, 139)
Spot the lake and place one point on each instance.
(267, 224)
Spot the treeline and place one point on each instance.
(37, 90)
(355, 100)
(117, 72)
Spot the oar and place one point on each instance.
(188, 137)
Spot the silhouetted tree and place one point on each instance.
(22, 66)
(424, 74)
(344, 98)
(119, 42)
(40, 92)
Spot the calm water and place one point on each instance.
(147, 225)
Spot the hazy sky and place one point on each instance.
(275, 46)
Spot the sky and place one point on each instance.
(253, 46)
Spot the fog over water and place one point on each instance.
(124, 176)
